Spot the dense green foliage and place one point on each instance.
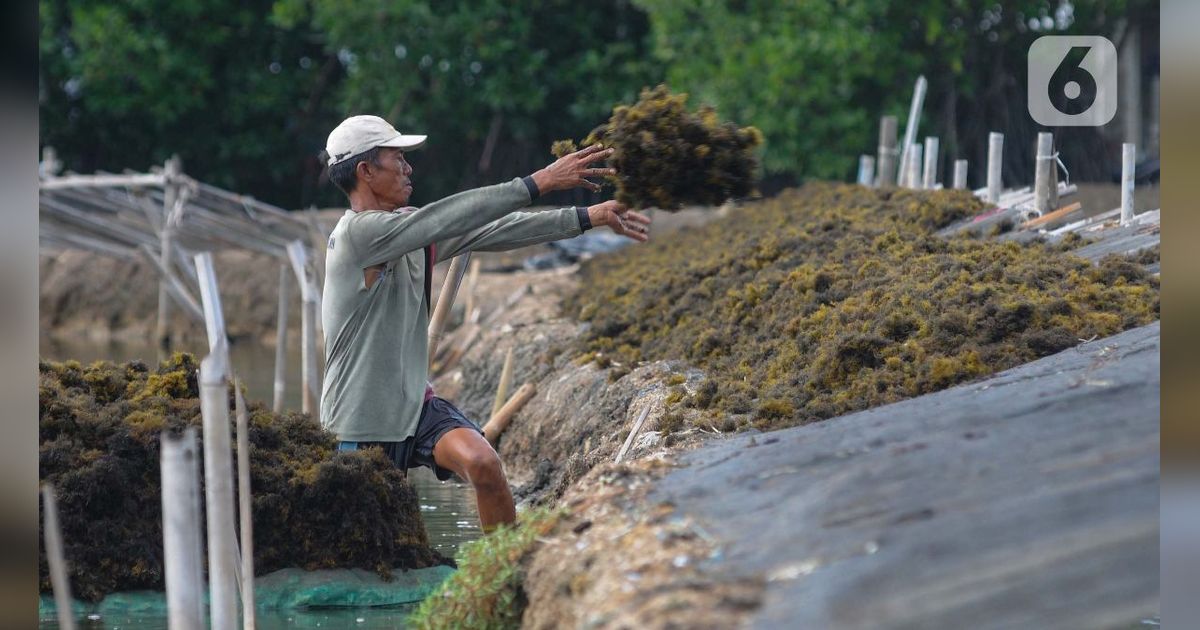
(99, 429)
(815, 75)
(491, 82)
(837, 298)
(246, 92)
(485, 592)
(667, 156)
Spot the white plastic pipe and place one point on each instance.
(181, 531)
(995, 159)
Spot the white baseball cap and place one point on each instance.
(359, 134)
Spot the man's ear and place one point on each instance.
(363, 170)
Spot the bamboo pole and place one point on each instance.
(1044, 197)
(633, 433)
(445, 301)
(887, 151)
(162, 331)
(960, 174)
(866, 170)
(245, 510)
(309, 377)
(499, 421)
(1128, 166)
(929, 177)
(281, 320)
(218, 493)
(181, 531)
(471, 314)
(995, 160)
(505, 382)
(175, 287)
(914, 119)
(56, 559)
(218, 461)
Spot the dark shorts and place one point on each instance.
(438, 417)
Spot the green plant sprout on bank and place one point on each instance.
(486, 592)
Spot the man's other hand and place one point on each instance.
(621, 220)
(572, 170)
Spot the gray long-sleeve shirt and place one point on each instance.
(376, 345)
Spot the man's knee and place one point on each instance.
(483, 469)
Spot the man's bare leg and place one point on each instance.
(471, 457)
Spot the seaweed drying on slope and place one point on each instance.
(313, 507)
(666, 156)
(835, 298)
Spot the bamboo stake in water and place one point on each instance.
(995, 160)
(56, 559)
(162, 332)
(887, 151)
(505, 382)
(181, 531)
(437, 323)
(1128, 165)
(281, 340)
(960, 174)
(929, 179)
(245, 513)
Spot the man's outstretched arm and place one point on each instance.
(520, 229)
(382, 236)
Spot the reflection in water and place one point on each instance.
(448, 507)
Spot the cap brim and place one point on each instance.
(407, 143)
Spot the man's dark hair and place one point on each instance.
(342, 173)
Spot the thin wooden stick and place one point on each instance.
(500, 421)
(505, 382)
(633, 433)
(56, 559)
(471, 314)
(310, 379)
(174, 286)
(1052, 216)
(441, 313)
(244, 507)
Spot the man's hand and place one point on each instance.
(621, 220)
(573, 169)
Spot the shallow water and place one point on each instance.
(448, 507)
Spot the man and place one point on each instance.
(375, 309)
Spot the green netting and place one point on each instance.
(286, 589)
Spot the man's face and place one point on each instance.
(390, 180)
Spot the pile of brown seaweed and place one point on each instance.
(314, 508)
(666, 156)
(835, 298)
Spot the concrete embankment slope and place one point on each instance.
(1029, 499)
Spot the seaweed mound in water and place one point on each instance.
(835, 298)
(313, 507)
(666, 156)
